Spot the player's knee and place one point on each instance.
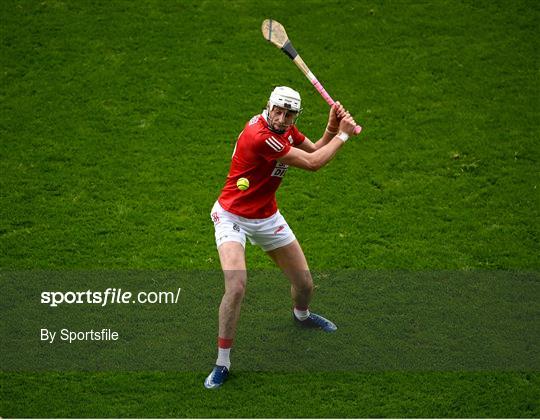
(235, 286)
(237, 292)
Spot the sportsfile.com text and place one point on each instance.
(109, 296)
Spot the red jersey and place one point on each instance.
(255, 158)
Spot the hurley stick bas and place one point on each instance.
(274, 32)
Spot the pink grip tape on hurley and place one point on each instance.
(329, 100)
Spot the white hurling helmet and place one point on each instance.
(285, 97)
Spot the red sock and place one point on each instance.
(225, 343)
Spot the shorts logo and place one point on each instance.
(279, 170)
(215, 217)
(279, 229)
(236, 227)
(291, 140)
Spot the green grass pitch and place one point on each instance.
(117, 123)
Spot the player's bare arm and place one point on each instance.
(320, 157)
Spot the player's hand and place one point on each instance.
(347, 124)
(337, 113)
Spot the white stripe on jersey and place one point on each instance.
(274, 144)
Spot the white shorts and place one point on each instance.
(270, 233)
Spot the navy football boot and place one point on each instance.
(216, 378)
(316, 321)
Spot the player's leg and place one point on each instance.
(292, 261)
(232, 258)
(230, 241)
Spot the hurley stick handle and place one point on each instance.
(311, 77)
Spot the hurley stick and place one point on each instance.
(274, 32)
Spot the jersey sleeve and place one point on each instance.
(272, 147)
